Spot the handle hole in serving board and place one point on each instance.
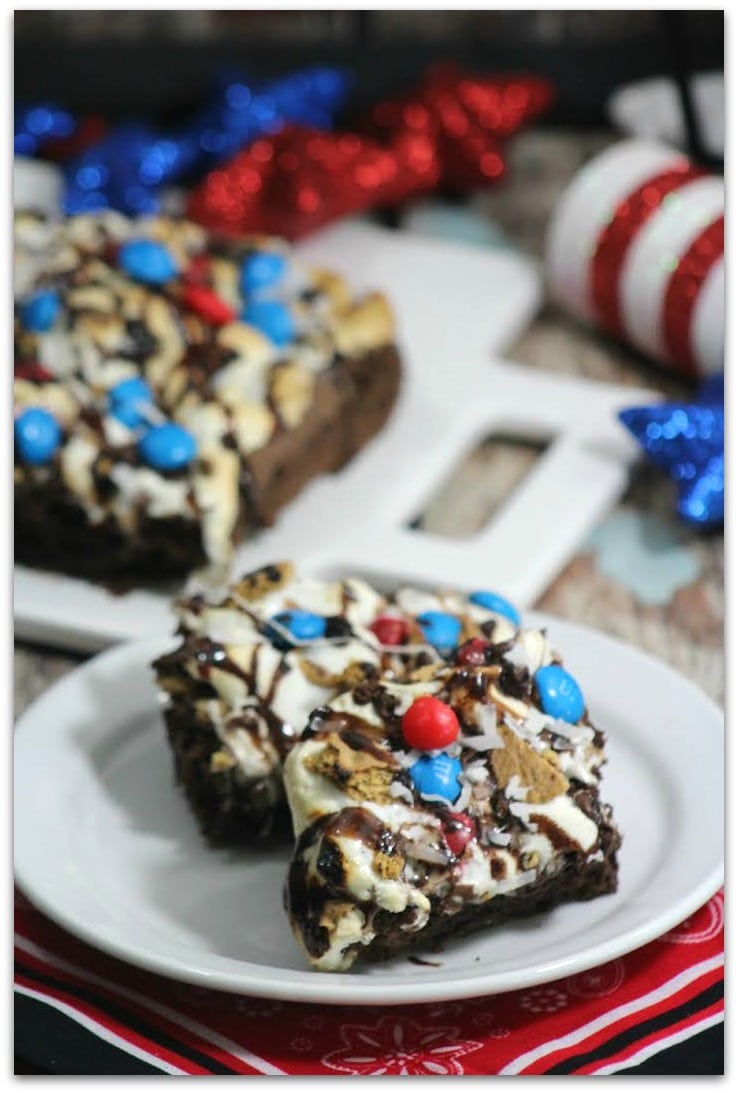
(478, 485)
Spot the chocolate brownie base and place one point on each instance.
(352, 403)
(230, 810)
(576, 880)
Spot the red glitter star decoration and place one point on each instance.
(448, 133)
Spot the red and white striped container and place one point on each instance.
(636, 245)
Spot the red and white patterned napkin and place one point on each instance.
(597, 1022)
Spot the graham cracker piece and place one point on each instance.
(360, 774)
(318, 675)
(543, 779)
(253, 586)
(221, 760)
(334, 913)
(349, 678)
(389, 866)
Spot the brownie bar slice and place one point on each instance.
(266, 386)
(431, 808)
(254, 662)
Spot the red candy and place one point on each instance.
(33, 372)
(473, 653)
(429, 724)
(198, 269)
(458, 831)
(206, 304)
(390, 631)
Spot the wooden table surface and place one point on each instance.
(642, 576)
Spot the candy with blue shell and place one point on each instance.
(37, 435)
(437, 776)
(148, 261)
(128, 401)
(39, 312)
(261, 270)
(560, 694)
(302, 625)
(491, 601)
(168, 447)
(440, 629)
(272, 318)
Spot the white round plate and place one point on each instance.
(652, 109)
(105, 845)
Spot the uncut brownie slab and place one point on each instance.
(428, 809)
(255, 661)
(173, 391)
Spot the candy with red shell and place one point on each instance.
(32, 372)
(207, 304)
(473, 653)
(390, 631)
(429, 724)
(198, 269)
(458, 831)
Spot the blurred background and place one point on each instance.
(94, 60)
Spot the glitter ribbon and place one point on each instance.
(447, 133)
(126, 167)
(683, 291)
(618, 235)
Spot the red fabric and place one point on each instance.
(684, 288)
(602, 1020)
(615, 239)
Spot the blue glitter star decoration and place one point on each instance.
(687, 440)
(127, 167)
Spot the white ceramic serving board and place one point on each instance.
(456, 307)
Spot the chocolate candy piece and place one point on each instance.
(148, 261)
(272, 318)
(560, 694)
(437, 776)
(303, 625)
(493, 602)
(458, 831)
(128, 401)
(37, 435)
(389, 630)
(39, 312)
(473, 653)
(429, 724)
(440, 629)
(168, 447)
(261, 270)
(207, 304)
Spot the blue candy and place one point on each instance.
(126, 400)
(560, 693)
(492, 602)
(39, 311)
(272, 318)
(167, 447)
(437, 776)
(440, 629)
(148, 261)
(303, 625)
(37, 435)
(262, 270)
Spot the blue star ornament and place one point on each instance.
(687, 440)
